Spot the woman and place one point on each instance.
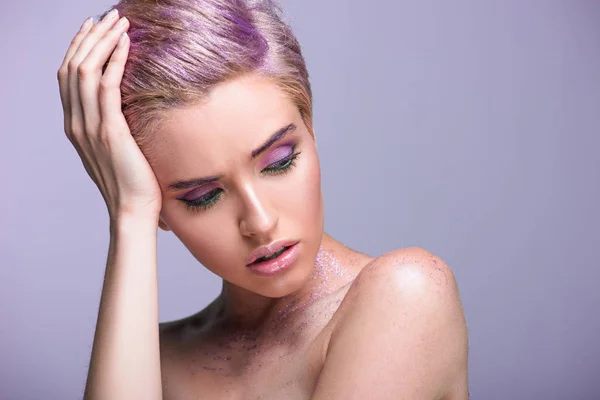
(206, 131)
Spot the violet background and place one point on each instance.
(469, 128)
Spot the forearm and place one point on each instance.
(125, 361)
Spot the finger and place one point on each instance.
(110, 87)
(92, 74)
(95, 34)
(62, 74)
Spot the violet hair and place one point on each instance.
(181, 49)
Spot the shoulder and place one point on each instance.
(171, 330)
(175, 336)
(176, 339)
(180, 329)
(408, 274)
(403, 315)
(412, 270)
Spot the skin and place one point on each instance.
(254, 209)
(201, 353)
(338, 324)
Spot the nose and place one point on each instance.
(258, 218)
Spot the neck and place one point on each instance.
(241, 309)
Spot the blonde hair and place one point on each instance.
(181, 49)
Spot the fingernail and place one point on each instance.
(122, 22)
(122, 39)
(86, 24)
(111, 14)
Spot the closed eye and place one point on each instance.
(209, 199)
(283, 165)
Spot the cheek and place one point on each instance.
(198, 234)
(314, 181)
(297, 197)
(307, 186)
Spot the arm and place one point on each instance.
(125, 362)
(401, 334)
(125, 356)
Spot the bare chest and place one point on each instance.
(249, 368)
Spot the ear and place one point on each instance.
(162, 225)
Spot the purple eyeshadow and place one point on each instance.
(277, 154)
(199, 192)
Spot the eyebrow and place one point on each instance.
(279, 134)
(274, 137)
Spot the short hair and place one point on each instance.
(181, 49)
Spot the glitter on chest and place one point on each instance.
(328, 274)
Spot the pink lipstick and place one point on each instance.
(276, 262)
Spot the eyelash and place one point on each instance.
(280, 167)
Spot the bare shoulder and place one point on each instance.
(401, 330)
(176, 348)
(169, 331)
(405, 271)
(175, 330)
(408, 272)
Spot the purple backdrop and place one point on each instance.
(475, 124)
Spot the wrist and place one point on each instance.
(135, 220)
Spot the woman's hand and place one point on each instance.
(94, 123)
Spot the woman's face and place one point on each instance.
(252, 195)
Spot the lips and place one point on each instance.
(272, 256)
(269, 250)
(277, 265)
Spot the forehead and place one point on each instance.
(234, 110)
(238, 116)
